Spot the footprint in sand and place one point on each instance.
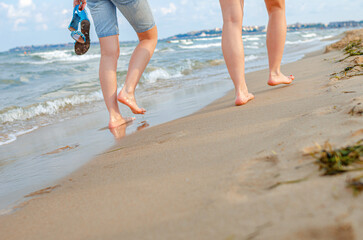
(254, 177)
(169, 136)
(334, 232)
(326, 110)
(356, 107)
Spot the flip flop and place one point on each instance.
(73, 26)
(82, 38)
(82, 48)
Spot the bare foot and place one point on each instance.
(129, 100)
(279, 79)
(119, 121)
(242, 99)
(119, 132)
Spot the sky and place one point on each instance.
(38, 22)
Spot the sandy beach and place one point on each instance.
(217, 173)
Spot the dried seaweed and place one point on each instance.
(356, 184)
(354, 48)
(337, 161)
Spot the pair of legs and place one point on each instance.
(232, 44)
(110, 51)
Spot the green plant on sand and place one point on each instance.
(354, 48)
(337, 161)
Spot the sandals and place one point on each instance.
(81, 37)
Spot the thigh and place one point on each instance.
(232, 10)
(104, 17)
(137, 13)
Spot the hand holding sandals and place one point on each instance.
(82, 4)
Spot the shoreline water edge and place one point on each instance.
(223, 172)
(63, 146)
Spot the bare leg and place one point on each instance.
(110, 50)
(276, 36)
(138, 62)
(232, 47)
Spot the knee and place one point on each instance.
(110, 52)
(150, 36)
(233, 19)
(275, 6)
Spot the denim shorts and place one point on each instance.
(137, 13)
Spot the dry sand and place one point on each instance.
(207, 176)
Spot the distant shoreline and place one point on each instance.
(209, 33)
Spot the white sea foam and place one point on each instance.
(248, 38)
(327, 37)
(174, 41)
(61, 56)
(251, 58)
(309, 35)
(155, 75)
(126, 53)
(302, 41)
(200, 46)
(13, 136)
(186, 42)
(252, 47)
(165, 50)
(47, 108)
(208, 39)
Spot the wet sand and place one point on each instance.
(210, 175)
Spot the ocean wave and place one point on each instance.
(201, 46)
(208, 39)
(166, 49)
(327, 37)
(251, 58)
(13, 136)
(247, 38)
(159, 74)
(125, 53)
(173, 41)
(309, 35)
(46, 108)
(186, 42)
(303, 41)
(252, 47)
(59, 56)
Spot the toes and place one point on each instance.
(138, 111)
(242, 101)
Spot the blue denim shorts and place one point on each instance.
(137, 13)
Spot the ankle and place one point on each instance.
(128, 91)
(241, 93)
(115, 116)
(275, 72)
